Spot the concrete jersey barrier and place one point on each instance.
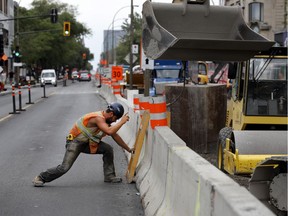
(174, 180)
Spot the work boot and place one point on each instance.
(114, 179)
(38, 182)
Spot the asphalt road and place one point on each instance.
(34, 141)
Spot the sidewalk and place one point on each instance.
(8, 88)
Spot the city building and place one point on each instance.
(266, 17)
(108, 46)
(6, 33)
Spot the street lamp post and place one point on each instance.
(17, 69)
(113, 34)
(107, 48)
(131, 43)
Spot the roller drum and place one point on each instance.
(260, 142)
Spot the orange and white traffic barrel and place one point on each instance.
(136, 98)
(158, 111)
(104, 80)
(116, 87)
(143, 104)
(109, 82)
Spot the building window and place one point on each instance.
(256, 12)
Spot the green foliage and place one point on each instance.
(123, 49)
(42, 43)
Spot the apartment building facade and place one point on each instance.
(6, 33)
(266, 17)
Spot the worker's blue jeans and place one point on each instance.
(73, 149)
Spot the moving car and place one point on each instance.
(75, 75)
(48, 76)
(84, 76)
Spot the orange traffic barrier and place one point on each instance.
(158, 109)
(103, 80)
(143, 104)
(136, 101)
(106, 81)
(116, 87)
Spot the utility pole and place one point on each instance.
(17, 69)
(131, 43)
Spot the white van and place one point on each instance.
(48, 76)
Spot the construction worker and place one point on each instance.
(2, 81)
(85, 137)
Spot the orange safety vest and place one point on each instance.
(80, 127)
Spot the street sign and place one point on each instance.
(117, 73)
(145, 62)
(4, 57)
(135, 49)
(127, 58)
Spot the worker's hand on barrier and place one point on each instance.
(125, 118)
(132, 150)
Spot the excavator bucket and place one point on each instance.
(198, 32)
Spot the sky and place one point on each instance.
(98, 16)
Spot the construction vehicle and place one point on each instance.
(255, 137)
(164, 72)
(173, 71)
(258, 110)
(219, 74)
(197, 72)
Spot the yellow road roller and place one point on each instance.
(256, 125)
(259, 89)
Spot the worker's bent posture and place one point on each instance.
(85, 137)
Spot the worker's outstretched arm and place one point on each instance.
(121, 143)
(109, 130)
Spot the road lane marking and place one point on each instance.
(6, 117)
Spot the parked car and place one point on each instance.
(48, 76)
(75, 75)
(84, 76)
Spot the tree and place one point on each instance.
(41, 42)
(123, 49)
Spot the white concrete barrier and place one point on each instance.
(195, 187)
(174, 180)
(145, 162)
(129, 130)
(130, 97)
(152, 188)
(106, 92)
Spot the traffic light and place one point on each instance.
(84, 56)
(16, 54)
(54, 15)
(66, 29)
